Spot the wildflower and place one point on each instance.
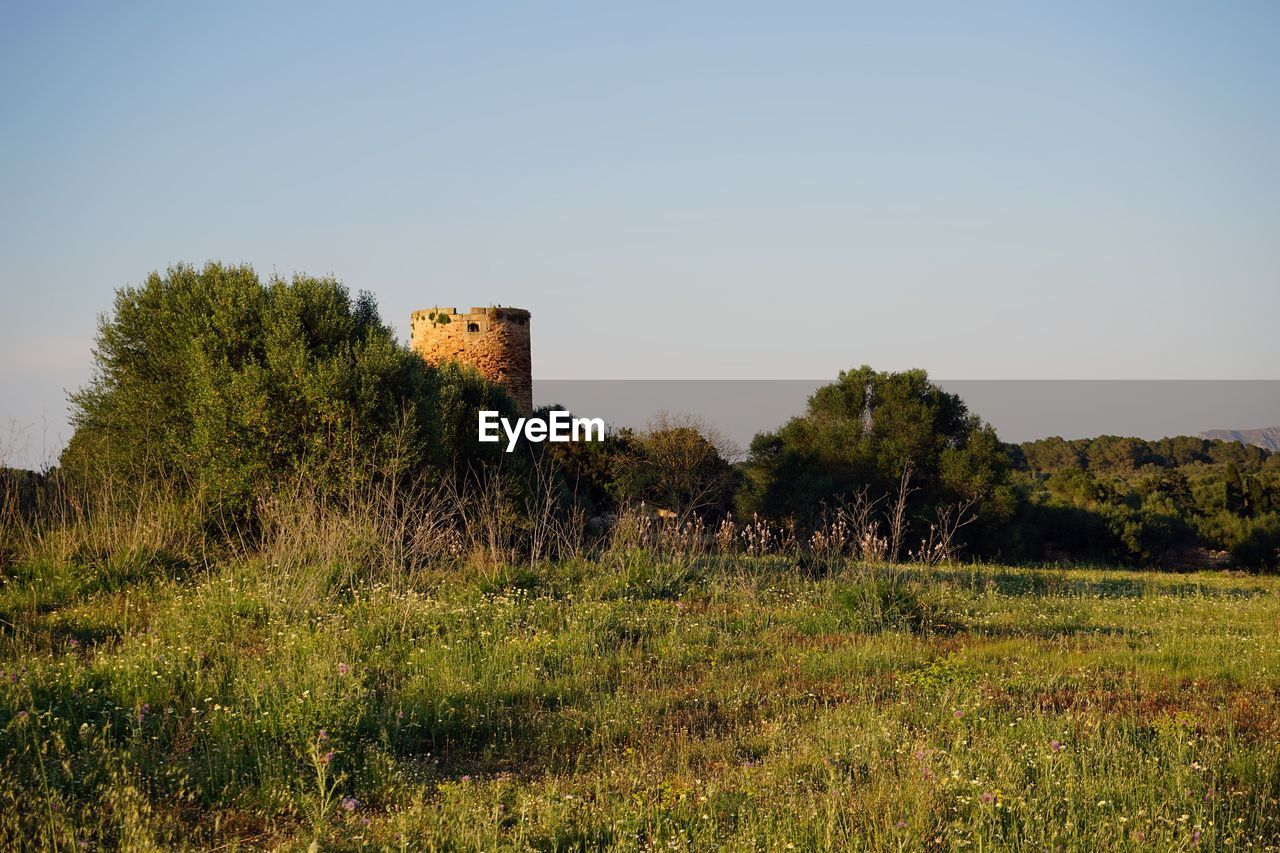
(327, 757)
(1056, 746)
(400, 714)
(957, 713)
(1195, 837)
(22, 715)
(324, 735)
(987, 798)
(465, 779)
(350, 803)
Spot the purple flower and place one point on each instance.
(324, 735)
(987, 798)
(1195, 837)
(1055, 746)
(350, 803)
(465, 779)
(343, 669)
(400, 714)
(327, 757)
(957, 713)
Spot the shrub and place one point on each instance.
(858, 435)
(1259, 543)
(878, 603)
(232, 387)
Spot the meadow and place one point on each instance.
(295, 693)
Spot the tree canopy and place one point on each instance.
(229, 385)
(861, 433)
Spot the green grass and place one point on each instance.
(627, 703)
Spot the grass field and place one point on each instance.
(635, 702)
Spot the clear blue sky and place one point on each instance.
(1084, 190)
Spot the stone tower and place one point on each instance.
(494, 340)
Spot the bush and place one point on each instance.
(873, 604)
(1258, 546)
(231, 387)
(678, 464)
(858, 435)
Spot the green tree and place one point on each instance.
(226, 385)
(1233, 489)
(680, 464)
(1049, 455)
(1173, 486)
(860, 432)
(1113, 454)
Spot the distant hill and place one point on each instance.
(1268, 437)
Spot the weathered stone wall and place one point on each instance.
(494, 340)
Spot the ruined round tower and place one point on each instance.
(494, 340)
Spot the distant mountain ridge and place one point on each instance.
(1267, 437)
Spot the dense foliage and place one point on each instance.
(865, 434)
(230, 386)
(1126, 500)
(675, 465)
(234, 388)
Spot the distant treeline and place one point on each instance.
(1169, 501)
(1113, 454)
(230, 391)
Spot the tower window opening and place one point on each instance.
(473, 327)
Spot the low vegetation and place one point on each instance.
(276, 596)
(316, 688)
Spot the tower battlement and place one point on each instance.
(494, 339)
